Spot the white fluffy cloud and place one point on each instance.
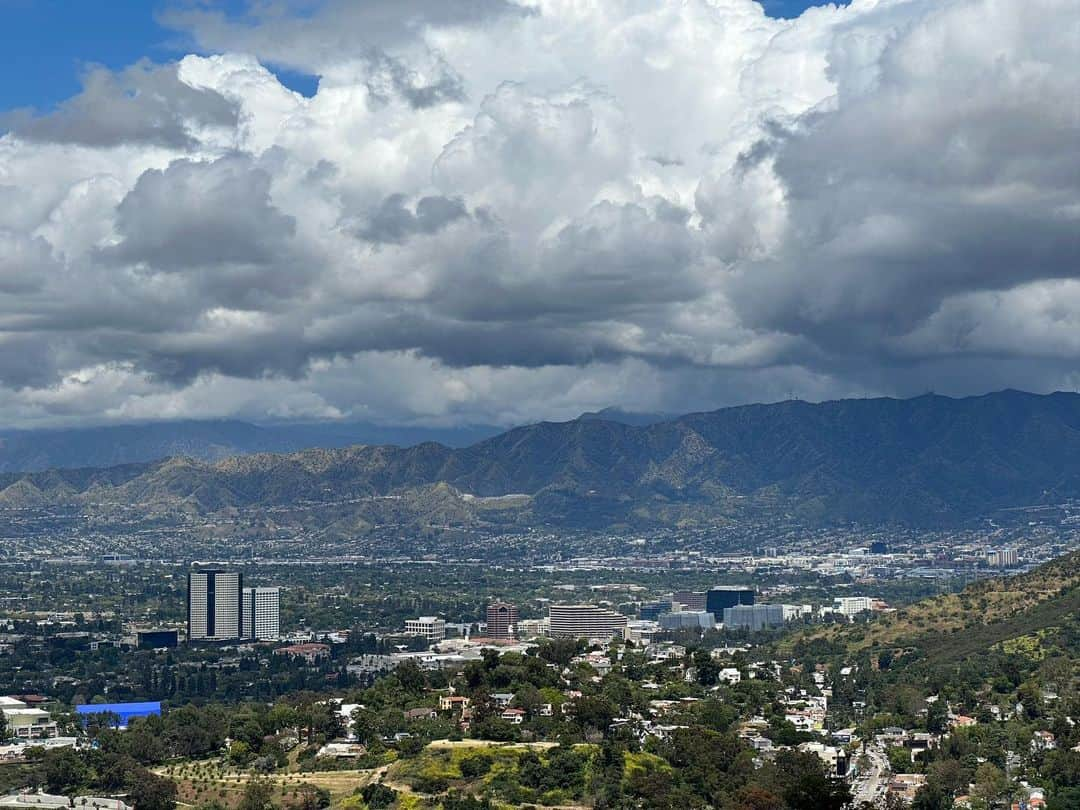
(503, 211)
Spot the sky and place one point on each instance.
(498, 211)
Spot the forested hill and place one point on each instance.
(928, 461)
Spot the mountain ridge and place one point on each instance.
(927, 461)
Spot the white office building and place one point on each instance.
(852, 605)
(585, 621)
(25, 723)
(431, 628)
(1003, 558)
(215, 605)
(262, 613)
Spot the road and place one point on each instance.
(870, 786)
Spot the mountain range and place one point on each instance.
(930, 461)
(211, 440)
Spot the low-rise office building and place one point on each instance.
(585, 621)
(754, 617)
(431, 628)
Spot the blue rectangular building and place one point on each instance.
(122, 712)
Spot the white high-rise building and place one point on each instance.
(262, 613)
(215, 606)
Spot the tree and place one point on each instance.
(64, 770)
(378, 796)
(937, 717)
(309, 797)
(949, 776)
(148, 791)
(258, 795)
(755, 797)
(240, 753)
(815, 791)
(706, 669)
(410, 676)
(594, 712)
(990, 782)
(930, 797)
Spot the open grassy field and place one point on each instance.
(208, 780)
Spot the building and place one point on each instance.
(215, 605)
(1003, 558)
(852, 605)
(25, 723)
(431, 628)
(753, 617)
(262, 613)
(311, 652)
(585, 621)
(719, 599)
(450, 703)
(690, 600)
(119, 714)
(650, 611)
(156, 639)
(796, 611)
(697, 620)
(641, 631)
(906, 785)
(502, 620)
(531, 628)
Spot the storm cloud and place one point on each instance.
(494, 211)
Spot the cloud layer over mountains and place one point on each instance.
(497, 211)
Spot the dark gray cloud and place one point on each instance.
(391, 78)
(312, 36)
(394, 222)
(214, 224)
(143, 104)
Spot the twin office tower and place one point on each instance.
(220, 608)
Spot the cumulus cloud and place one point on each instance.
(503, 211)
(144, 103)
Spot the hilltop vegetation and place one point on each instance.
(992, 611)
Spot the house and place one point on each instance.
(546, 710)
(730, 675)
(801, 720)
(906, 785)
(342, 750)
(759, 743)
(503, 699)
(515, 716)
(1043, 741)
(422, 713)
(453, 703)
(892, 735)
